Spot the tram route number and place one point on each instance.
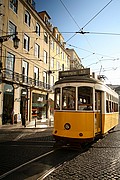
(79, 72)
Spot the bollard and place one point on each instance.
(35, 122)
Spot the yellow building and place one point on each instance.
(29, 71)
(75, 61)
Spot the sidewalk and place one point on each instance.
(43, 123)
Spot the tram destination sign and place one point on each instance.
(76, 72)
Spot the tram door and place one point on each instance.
(98, 111)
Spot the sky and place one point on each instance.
(99, 49)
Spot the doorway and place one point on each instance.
(24, 106)
(8, 104)
(98, 112)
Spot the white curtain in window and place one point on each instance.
(10, 61)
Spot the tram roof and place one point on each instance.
(85, 79)
(73, 79)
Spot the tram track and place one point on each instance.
(24, 164)
(76, 151)
(42, 166)
(41, 144)
(39, 160)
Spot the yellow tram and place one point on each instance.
(84, 107)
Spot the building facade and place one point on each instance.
(28, 73)
(75, 61)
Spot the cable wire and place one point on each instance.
(81, 29)
(70, 14)
(96, 14)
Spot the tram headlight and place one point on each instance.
(80, 134)
(67, 126)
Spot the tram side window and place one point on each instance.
(68, 98)
(107, 106)
(116, 107)
(111, 107)
(85, 98)
(57, 98)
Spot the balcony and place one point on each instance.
(22, 80)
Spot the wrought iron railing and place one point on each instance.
(8, 75)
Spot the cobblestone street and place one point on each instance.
(100, 162)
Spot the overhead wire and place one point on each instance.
(70, 14)
(81, 29)
(96, 14)
(24, 57)
(99, 33)
(72, 19)
(65, 32)
(103, 55)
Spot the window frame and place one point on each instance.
(69, 98)
(52, 44)
(36, 75)
(85, 101)
(26, 42)
(57, 98)
(13, 4)
(37, 50)
(27, 17)
(10, 61)
(37, 29)
(46, 37)
(25, 67)
(45, 80)
(12, 28)
(45, 57)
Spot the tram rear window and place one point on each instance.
(68, 98)
(85, 98)
(57, 98)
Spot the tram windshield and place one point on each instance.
(57, 98)
(85, 98)
(68, 98)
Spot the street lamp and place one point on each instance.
(6, 38)
(15, 40)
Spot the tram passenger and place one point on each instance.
(72, 103)
(88, 107)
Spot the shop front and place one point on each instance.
(39, 106)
